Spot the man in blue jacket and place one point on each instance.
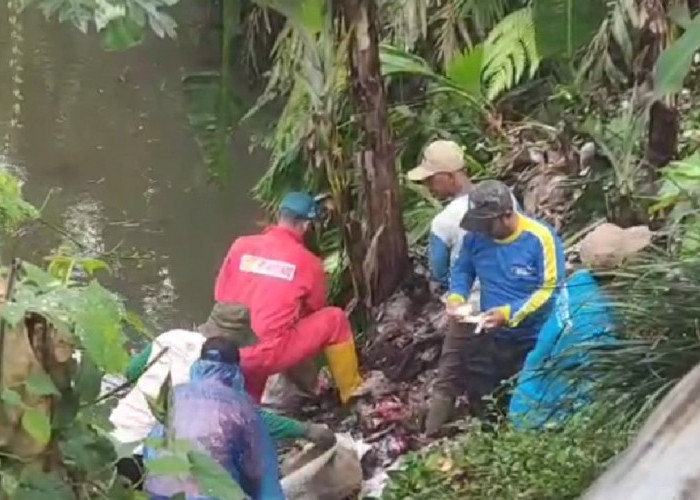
(520, 265)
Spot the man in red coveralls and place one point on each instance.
(284, 286)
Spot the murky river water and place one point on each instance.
(107, 136)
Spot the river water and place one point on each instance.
(106, 138)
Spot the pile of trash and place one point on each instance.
(399, 361)
(406, 338)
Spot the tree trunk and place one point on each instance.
(662, 144)
(664, 119)
(386, 255)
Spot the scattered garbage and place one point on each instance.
(400, 364)
(282, 394)
(385, 422)
(408, 334)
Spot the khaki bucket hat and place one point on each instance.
(231, 321)
(609, 245)
(439, 157)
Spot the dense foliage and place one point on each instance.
(584, 107)
(656, 317)
(505, 463)
(61, 333)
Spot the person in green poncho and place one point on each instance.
(172, 354)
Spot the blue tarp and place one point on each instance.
(545, 394)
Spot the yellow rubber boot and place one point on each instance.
(342, 361)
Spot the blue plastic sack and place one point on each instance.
(215, 415)
(544, 394)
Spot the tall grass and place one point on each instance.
(657, 314)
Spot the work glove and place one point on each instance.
(452, 303)
(320, 434)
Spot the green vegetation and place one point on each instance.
(583, 102)
(56, 401)
(498, 77)
(505, 463)
(54, 428)
(657, 318)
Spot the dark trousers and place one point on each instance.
(131, 468)
(478, 363)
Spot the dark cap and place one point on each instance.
(231, 321)
(221, 349)
(488, 200)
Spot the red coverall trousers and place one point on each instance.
(278, 352)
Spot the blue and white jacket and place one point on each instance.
(520, 275)
(446, 237)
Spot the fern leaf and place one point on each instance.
(519, 64)
(509, 50)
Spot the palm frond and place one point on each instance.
(419, 210)
(619, 141)
(448, 26)
(509, 51)
(407, 21)
(611, 54)
(257, 34)
(482, 16)
(451, 31)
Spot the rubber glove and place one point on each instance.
(320, 434)
(453, 302)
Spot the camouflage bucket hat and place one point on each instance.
(488, 200)
(231, 321)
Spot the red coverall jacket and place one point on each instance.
(284, 286)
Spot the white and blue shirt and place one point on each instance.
(446, 238)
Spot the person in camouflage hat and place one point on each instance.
(173, 353)
(231, 321)
(519, 262)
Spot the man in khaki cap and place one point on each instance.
(441, 170)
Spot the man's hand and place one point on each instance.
(495, 318)
(320, 434)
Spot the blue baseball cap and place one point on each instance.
(300, 205)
